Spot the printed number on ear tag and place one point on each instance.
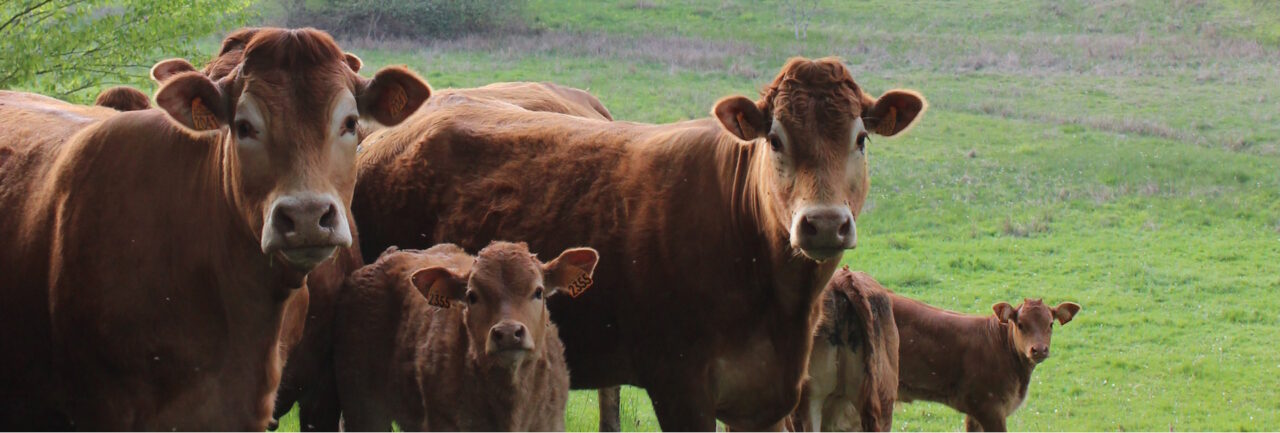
(580, 284)
(436, 297)
(201, 117)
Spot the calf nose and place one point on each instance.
(1040, 351)
(509, 335)
(825, 231)
(306, 228)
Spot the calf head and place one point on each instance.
(816, 122)
(504, 297)
(1032, 325)
(287, 114)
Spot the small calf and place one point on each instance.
(441, 340)
(853, 366)
(980, 366)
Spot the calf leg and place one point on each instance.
(610, 400)
(683, 404)
(971, 424)
(988, 422)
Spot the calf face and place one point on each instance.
(289, 113)
(1033, 325)
(816, 121)
(505, 297)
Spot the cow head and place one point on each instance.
(287, 114)
(505, 297)
(1032, 325)
(814, 121)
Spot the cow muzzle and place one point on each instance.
(305, 229)
(509, 342)
(823, 232)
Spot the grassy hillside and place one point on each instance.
(1123, 155)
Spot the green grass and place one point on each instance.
(1122, 155)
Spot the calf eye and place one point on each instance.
(349, 125)
(775, 143)
(537, 294)
(862, 141)
(472, 298)
(245, 130)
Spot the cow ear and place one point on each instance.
(353, 62)
(166, 69)
(894, 112)
(439, 285)
(1065, 311)
(194, 101)
(741, 117)
(571, 272)
(1005, 312)
(392, 95)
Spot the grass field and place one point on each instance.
(1124, 155)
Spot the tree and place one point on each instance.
(67, 48)
(800, 13)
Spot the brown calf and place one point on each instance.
(440, 340)
(980, 366)
(717, 235)
(149, 254)
(853, 369)
(123, 98)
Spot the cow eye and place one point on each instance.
(349, 125)
(862, 141)
(245, 130)
(775, 143)
(472, 297)
(537, 294)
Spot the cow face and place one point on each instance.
(288, 115)
(505, 297)
(815, 123)
(1032, 325)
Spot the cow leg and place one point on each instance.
(683, 404)
(610, 416)
(813, 409)
(319, 409)
(988, 422)
(971, 423)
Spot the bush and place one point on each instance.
(405, 18)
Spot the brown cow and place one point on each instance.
(717, 235)
(409, 349)
(853, 368)
(123, 98)
(308, 376)
(148, 254)
(978, 365)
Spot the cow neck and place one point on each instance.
(1022, 368)
(503, 390)
(746, 175)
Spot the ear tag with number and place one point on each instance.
(579, 284)
(436, 297)
(201, 117)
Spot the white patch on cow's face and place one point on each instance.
(250, 126)
(780, 146)
(856, 164)
(345, 120)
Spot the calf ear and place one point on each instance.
(1005, 312)
(894, 112)
(353, 62)
(166, 69)
(194, 101)
(1065, 311)
(741, 117)
(392, 95)
(571, 272)
(439, 285)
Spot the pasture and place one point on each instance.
(1122, 155)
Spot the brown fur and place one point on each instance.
(137, 292)
(692, 221)
(978, 365)
(123, 98)
(853, 369)
(427, 368)
(308, 377)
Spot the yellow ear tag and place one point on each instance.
(435, 295)
(396, 100)
(580, 284)
(201, 118)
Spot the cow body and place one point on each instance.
(853, 368)
(149, 253)
(977, 365)
(702, 299)
(402, 358)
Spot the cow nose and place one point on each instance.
(509, 335)
(1040, 352)
(307, 228)
(823, 232)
